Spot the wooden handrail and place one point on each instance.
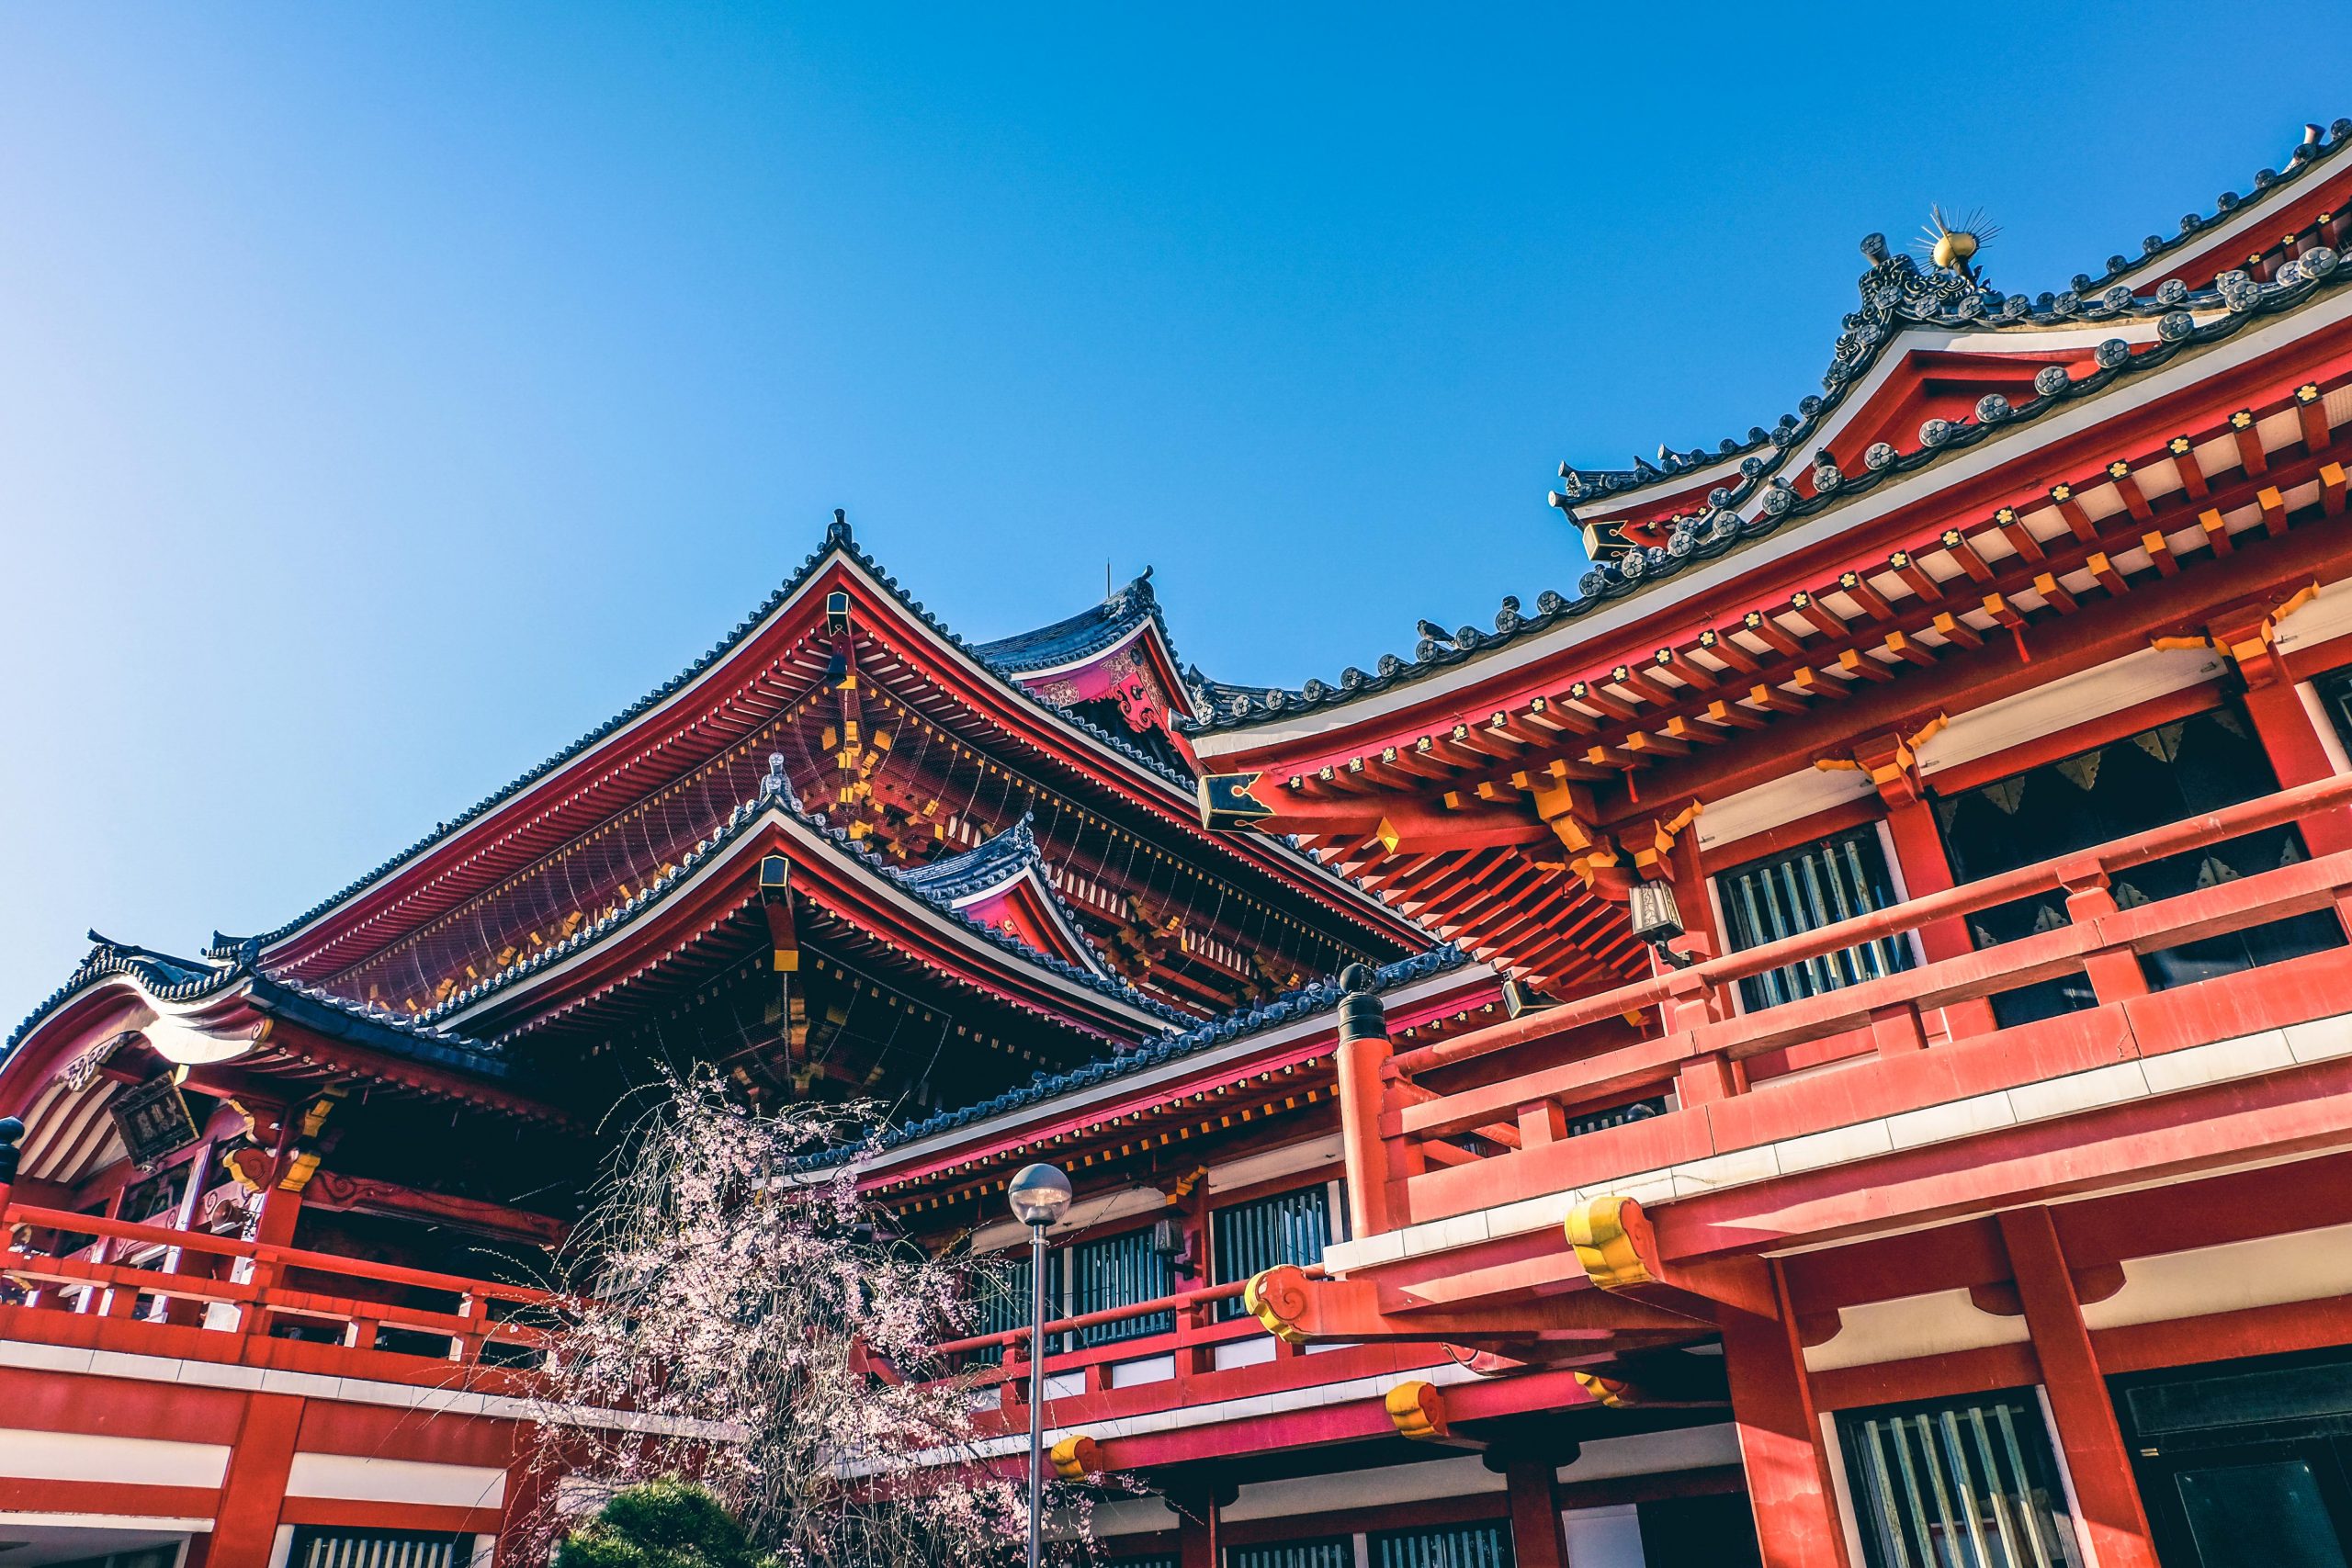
(285, 1257)
(1012, 1338)
(2248, 817)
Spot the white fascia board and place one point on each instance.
(1776, 803)
(2092, 412)
(2074, 699)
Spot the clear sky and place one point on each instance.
(390, 393)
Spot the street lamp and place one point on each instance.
(1040, 1195)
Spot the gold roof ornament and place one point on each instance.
(1952, 245)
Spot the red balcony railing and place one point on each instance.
(1177, 1369)
(213, 1298)
(1429, 1150)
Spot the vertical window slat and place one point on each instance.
(1802, 890)
(1482, 1545)
(1118, 1271)
(1289, 1227)
(1936, 1489)
(318, 1547)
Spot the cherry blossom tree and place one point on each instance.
(770, 1335)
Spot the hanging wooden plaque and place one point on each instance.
(153, 1121)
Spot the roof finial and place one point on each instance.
(837, 533)
(1950, 246)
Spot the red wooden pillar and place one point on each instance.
(2291, 739)
(1361, 1062)
(1199, 1501)
(255, 1488)
(1925, 868)
(2088, 1434)
(2248, 631)
(1780, 1441)
(529, 1480)
(1690, 880)
(1534, 1489)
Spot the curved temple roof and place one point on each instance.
(1081, 637)
(994, 866)
(1898, 294)
(167, 980)
(1588, 484)
(1135, 604)
(427, 1035)
(776, 799)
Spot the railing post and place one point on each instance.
(466, 1346)
(1543, 1121)
(1897, 1029)
(1703, 1079)
(2114, 972)
(1011, 1360)
(1362, 1061)
(1692, 998)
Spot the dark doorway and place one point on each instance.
(2161, 775)
(1699, 1532)
(2245, 1461)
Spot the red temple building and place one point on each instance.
(1829, 1046)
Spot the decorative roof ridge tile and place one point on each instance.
(1670, 465)
(2236, 301)
(1307, 1001)
(838, 540)
(776, 797)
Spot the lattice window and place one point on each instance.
(1336, 1553)
(1290, 1227)
(1483, 1545)
(1963, 1482)
(1803, 889)
(315, 1548)
(1117, 1271)
(1000, 1287)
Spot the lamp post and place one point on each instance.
(1040, 1195)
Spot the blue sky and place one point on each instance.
(388, 394)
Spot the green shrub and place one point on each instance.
(664, 1524)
